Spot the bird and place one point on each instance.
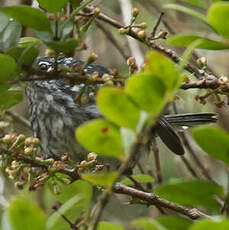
(54, 115)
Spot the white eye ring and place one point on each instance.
(44, 66)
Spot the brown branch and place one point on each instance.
(153, 6)
(150, 198)
(168, 52)
(37, 162)
(189, 167)
(157, 161)
(153, 199)
(153, 34)
(210, 82)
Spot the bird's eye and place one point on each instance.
(43, 66)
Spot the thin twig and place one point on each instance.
(137, 184)
(153, 34)
(157, 161)
(189, 167)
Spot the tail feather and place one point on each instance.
(191, 119)
(167, 133)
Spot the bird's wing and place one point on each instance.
(169, 136)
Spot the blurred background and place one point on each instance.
(174, 22)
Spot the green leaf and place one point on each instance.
(105, 138)
(29, 41)
(187, 11)
(28, 16)
(75, 3)
(185, 40)
(118, 107)
(4, 21)
(10, 35)
(213, 141)
(52, 222)
(161, 66)
(141, 178)
(9, 98)
(193, 192)
(108, 226)
(75, 198)
(174, 222)
(187, 54)
(198, 3)
(8, 68)
(64, 46)
(219, 223)
(22, 214)
(79, 187)
(147, 224)
(104, 180)
(218, 18)
(24, 55)
(52, 6)
(147, 90)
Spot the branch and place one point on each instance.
(153, 199)
(168, 52)
(210, 82)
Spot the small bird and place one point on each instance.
(54, 115)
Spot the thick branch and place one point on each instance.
(153, 199)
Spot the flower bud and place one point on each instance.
(107, 77)
(97, 11)
(7, 139)
(131, 61)
(14, 164)
(223, 80)
(36, 141)
(91, 156)
(135, 12)
(64, 157)
(122, 31)
(201, 62)
(29, 141)
(143, 25)
(141, 34)
(93, 57)
(28, 150)
(162, 34)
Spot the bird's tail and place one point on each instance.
(165, 127)
(191, 119)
